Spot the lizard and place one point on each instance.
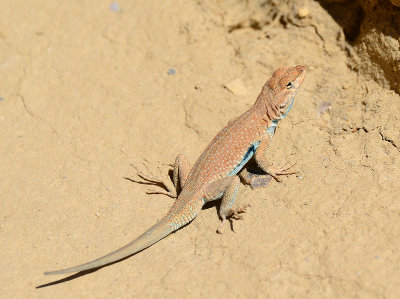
(215, 173)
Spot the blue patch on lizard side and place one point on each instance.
(247, 156)
(252, 149)
(271, 130)
(290, 107)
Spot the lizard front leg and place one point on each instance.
(266, 165)
(179, 175)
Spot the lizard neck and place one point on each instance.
(266, 108)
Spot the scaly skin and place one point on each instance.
(214, 175)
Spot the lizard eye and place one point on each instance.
(289, 85)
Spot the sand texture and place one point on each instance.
(88, 88)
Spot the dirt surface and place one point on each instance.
(89, 87)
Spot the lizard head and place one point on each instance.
(283, 85)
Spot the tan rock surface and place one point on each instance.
(87, 89)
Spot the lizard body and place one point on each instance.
(214, 175)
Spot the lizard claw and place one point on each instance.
(234, 214)
(275, 171)
(219, 230)
(283, 170)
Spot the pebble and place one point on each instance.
(171, 72)
(303, 12)
(114, 6)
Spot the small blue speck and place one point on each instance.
(171, 72)
(114, 7)
(1, 98)
(376, 257)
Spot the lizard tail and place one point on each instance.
(154, 234)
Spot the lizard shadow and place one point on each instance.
(68, 278)
(79, 274)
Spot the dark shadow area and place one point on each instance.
(65, 279)
(348, 14)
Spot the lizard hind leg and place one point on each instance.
(181, 169)
(228, 188)
(233, 214)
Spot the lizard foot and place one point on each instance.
(284, 169)
(234, 214)
(160, 180)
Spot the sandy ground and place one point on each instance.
(88, 88)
